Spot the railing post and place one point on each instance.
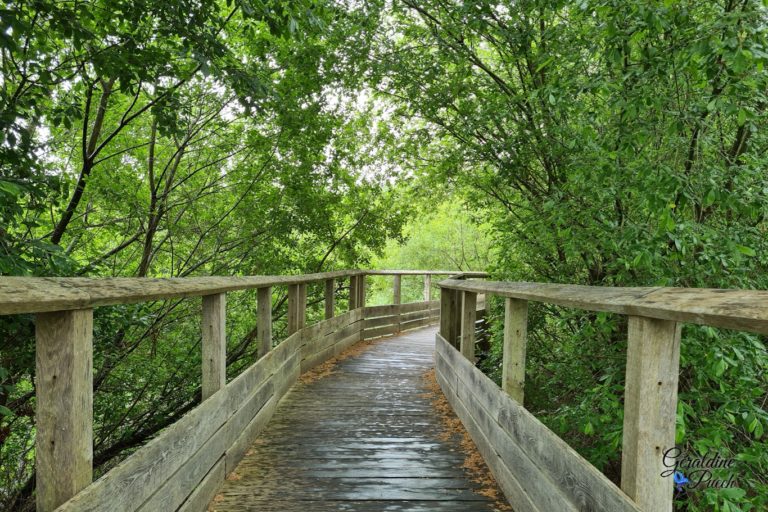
(468, 319)
(397, 297)
(515, 341)
(361, 291)
(214, 332)
(396, 289)
(302, 313)
(330, 286)
(427, 287)
(264, 320)
(64, 416)
(297, 307)
(450, 315)
(353, 293)
(650, 404)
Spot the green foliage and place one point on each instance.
(612, 143)
(172, 139)
(444, 237)
(601, 142)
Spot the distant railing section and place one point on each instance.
(536, 468)
(184, 464)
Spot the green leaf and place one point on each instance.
(742, 117)
(733, 493)
(743, 249)
(758, 430)
(720, 367)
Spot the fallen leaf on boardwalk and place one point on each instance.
(329, 367)
(473, 461)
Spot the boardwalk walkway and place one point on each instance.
(362, 438)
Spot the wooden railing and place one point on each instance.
(536, 469)
(181, 467)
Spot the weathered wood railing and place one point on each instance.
(536, 469)
(182, 467)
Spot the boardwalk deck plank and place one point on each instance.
(364, 438)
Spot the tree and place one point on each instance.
(612, 143)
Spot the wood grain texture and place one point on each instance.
(353, 293)
(198, 500)
(514, 491)
(42, 294)
(214, 343)
(330, 290)
(301, 315)
(424, 272)
(396, 288)
(419, 323)
(650, 404)
(363, 438)
(64, 419)
(468, 319)
(45, 294)
(264, 320)
(515, 343)
(427, 288)
(174, 467)
(397, 309)
(450, 315)
(294, 296)
(133, 481)
(745, 310)
(363, 287)
(483, 407)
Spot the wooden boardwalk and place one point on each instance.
(365, 437)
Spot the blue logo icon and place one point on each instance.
(680, 480)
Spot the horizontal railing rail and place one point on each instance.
(745, 310)
(43, 294)
(554, 476)
(180, 467)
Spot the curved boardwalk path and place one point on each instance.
(362, 438)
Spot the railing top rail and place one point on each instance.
(745, 310)
(423, 273)
(45, 294)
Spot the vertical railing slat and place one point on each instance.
(214, 343)
(515, 341)
(396, 289)
(468, 319)
(361, 291)
(264, 320)
(650, 405)
(353, 293)
(64, 416)
(450, 315)
(301, 314)
(297, 307)
(330, 287)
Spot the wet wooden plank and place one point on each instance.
(365, 437)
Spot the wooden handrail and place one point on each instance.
(44, 294)
(745, 310)
(425, 273)
(64, 351)
(656, 315)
